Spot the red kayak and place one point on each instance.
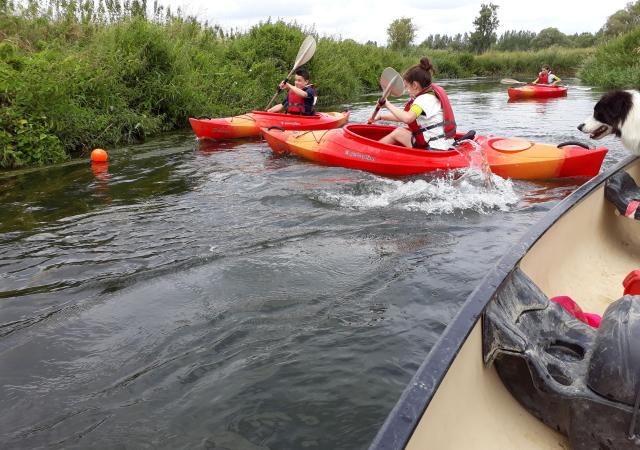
(357, 147)
(537, 91)
(248, 125)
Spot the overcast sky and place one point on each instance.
(368, 20)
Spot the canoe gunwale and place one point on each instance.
(401, 422)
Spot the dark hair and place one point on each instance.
(547, 66)
(420, 72)
(304, 73)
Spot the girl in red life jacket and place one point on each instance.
(299, 99)
(428, 114)
(546, 77)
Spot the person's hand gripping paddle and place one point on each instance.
(392, 84)
(307, 49)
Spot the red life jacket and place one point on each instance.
(295, 103)
(448, 119)
(543, 78)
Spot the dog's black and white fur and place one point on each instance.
(617, 112)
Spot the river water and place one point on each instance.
(211, 295)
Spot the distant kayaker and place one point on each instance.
(300, 97)
(429, 116)
(546, 77)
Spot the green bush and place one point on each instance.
(615, 64)
(563, 61)
(79, 80)
(27, 142)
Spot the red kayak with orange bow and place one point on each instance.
(357, 147)
(249, 125)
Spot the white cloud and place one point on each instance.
(368, 20)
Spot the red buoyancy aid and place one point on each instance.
(295, 103)
(543, 78)
(448, 119)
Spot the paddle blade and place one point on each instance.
(307, 49)
(391, 83)
(511, 81)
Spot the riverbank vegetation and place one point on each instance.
(75, 75)
(615, 64)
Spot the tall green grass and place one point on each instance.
(615, 64)
(74, 79)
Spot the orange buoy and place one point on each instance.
(99, 155)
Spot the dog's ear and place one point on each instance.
(613, 108)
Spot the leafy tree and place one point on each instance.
(548, 37)
(583, 40)
(486, 25)
(515, 40)
(436, 41)
(401, 33)
(622, 21)
(459, 42)
(7, 6)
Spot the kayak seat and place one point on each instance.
(580, 380)
(621, 190)
(469, 135)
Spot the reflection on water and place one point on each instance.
(190, 295)
(101, 173)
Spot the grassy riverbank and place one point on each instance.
(615, 64)
(75, 79)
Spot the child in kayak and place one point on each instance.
(300, 98)
(429, 116)
(546, 77)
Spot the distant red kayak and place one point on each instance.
(536, 91)
(357, 147)
(247, 125)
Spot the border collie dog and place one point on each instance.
(617, 112)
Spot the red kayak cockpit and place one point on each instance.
(369, 134)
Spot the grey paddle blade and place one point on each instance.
(391, 82)
(307, 49)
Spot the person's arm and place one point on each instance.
(383, 116)
(292, 88)
(536, 81)
(400, 115)
(276, 108)
(556, 80)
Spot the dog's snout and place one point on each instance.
(581, 126)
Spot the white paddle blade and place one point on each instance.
(511, 81)
(307, 49)
(391, 82)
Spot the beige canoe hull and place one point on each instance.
(584, 249)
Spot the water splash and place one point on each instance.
(468, 189)
(477, 159)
